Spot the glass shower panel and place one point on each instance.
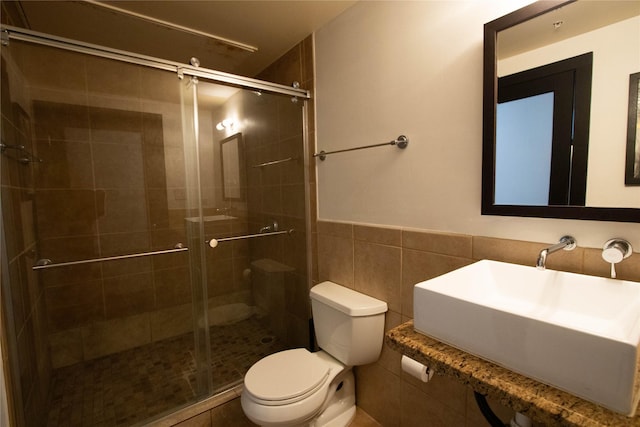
(111, 181)
(253, 184)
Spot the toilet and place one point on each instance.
(300, 388)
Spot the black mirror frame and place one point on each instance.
(489, 102)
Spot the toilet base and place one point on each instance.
(341, 420)
(341, 407)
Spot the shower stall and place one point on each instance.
(155, 230)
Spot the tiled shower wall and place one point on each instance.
(279, 193)
(386, 263)
(102, 191)
(115, 199)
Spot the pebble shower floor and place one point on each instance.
(131, 386)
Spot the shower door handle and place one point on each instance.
(214, 242)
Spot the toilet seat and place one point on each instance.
(289, 388)
(286, 377)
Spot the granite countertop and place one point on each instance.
(540, 402)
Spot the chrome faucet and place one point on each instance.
(224, 210)
(567, 243)
(269, 228)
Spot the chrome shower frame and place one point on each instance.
(15, 33)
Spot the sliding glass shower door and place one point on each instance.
(251, 164)
(156, 232)
(104, 324)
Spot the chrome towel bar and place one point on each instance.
(42, 264)
(401, 142)
(274, 162)
(46, 263)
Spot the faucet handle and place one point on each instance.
(614, 251)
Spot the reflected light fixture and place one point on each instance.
(226, 124)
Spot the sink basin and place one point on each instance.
(575, 332)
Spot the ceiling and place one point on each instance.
(568, 21)
(273, 27)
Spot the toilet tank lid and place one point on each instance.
(346, 300)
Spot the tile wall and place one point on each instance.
(385, 263)
(102, 191)
(280, 193)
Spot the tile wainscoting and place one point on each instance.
(386, 263)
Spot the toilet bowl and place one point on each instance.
(293, 387)
(315, 389)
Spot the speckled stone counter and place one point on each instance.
(538, 401)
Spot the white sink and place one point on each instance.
(575, 332)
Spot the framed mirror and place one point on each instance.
(632, 176)
(583, 176)
(232, 155)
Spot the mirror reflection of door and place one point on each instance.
(542, 134)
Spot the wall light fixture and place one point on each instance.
(226, 124)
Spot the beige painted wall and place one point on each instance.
(389, 68)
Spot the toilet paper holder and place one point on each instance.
(416, 369)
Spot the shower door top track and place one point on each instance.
(22, 34)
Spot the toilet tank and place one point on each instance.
(348, 325)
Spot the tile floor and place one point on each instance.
(128, 387)
(230, 414)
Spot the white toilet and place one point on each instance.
(297, 387)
